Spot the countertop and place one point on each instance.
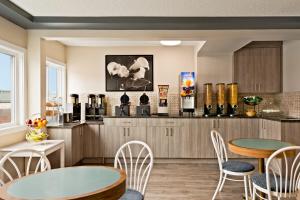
(274, 118)
(74, 124)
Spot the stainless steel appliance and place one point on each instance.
(143, 110)
(96, 107)
(187, 93)
(76, 107)
(124, 109)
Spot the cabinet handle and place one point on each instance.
(171, 132)
(218, 123)
(213, 123)
(259, 85)
(128, 131)
(124, 130)
(167, 130)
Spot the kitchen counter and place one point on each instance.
(274, 118)
(74, 124)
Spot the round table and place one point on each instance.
(257, 148)
(86, 182)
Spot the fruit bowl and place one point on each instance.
(36, 130)
(36, 136)
(250, 113)
(252, 100)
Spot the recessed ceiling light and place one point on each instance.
(170, 42)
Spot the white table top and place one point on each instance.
(40, 146)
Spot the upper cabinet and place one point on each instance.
(258, 67)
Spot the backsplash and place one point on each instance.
(290, 103)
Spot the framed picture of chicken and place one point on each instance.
(129, 72)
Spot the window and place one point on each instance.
(12, 99)
(56, 81)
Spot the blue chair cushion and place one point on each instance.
(237, 166)
(261, 181)
(132, 195)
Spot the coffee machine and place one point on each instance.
(143, 110)
(207, 98)
(220, 99)
(232, 108)
(124, 109)
(76, 107)
(162, 109)
(187, 93)
(95, 108)
(101, 105)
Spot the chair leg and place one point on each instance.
(246, 188)
(218, 187)
(250, 185)
(253, 193)
(222, 184)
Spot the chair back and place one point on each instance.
(137, 168)
(8, 167)
(284, 170)
(219, 147)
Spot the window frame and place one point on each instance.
(61, 78)
(19, 86)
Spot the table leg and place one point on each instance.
(62, 156)
(261, 165)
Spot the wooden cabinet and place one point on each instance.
(73, 138)
(258, 67)
(205, 146)
(93, 137)
(171, 138)
(158, 141)
(77, 144)
(270, 129)
(119, 131)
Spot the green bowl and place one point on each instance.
(252, 100)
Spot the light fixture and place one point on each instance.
(170, 42)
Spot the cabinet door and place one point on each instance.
(158, 140)
(91, 138)
(136, 133)
(244, 70)
(270, 129)
(232, 131)
(77, 144)
(271, 64)
(205, 147)
(114, 138)
(249, 128)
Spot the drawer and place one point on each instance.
(127, 122)
(164, 122)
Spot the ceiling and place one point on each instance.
(158, 8)
(217, 42)
(104, 42)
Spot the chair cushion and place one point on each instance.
(237, 166)
(261, 181)
(132, 195)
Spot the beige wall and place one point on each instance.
(214, 69)
(12, 33)
(55, 50)
(86, 66)
(291, 66)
